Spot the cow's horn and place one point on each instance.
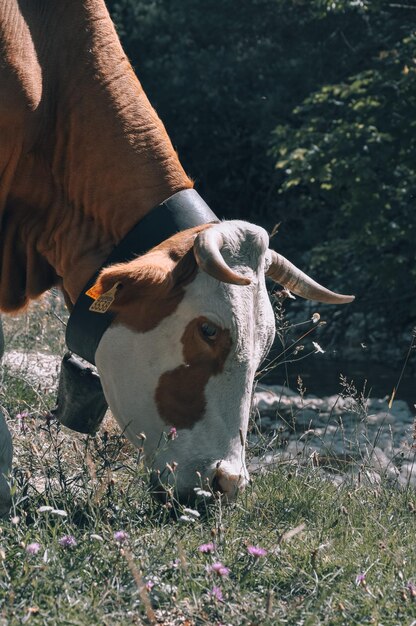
(288, 275)
(207, 250)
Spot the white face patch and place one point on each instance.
(135, 366)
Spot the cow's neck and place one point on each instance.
(106, 161)
(113, 155)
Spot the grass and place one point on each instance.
(336, 555)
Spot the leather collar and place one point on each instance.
(183, 210)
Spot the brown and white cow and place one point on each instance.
(83, 158)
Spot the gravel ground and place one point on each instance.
(353, 432)
(348, 432)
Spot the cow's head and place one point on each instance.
(193, 321)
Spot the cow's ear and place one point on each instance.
(157, 274)
(151, 274)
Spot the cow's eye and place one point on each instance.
(208, 331)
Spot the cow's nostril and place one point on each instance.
(227, 484)
(216, 485)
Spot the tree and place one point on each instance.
(348, 164)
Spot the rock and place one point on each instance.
(371, 478)
(408, 474)
(37, 367)
(277, 390)
(381, 419)
(267, 403)
(339, 427)
(305, 418)
(382, 463)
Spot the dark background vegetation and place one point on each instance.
(302, 113)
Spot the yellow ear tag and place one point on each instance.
(93, 292)
(103, 302)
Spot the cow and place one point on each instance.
(84, 159)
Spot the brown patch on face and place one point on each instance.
(180, 394)
(153, 285)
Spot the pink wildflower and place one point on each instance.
(33, 548)
(120, 536)
(206, 548)
(256, 551)
(21, 417)
(219, 569)
(172, 434)
(67, 541)
(217, 593)
(360, 579)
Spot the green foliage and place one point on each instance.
(348, 159)
(222, 74)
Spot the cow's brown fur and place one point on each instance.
(83, 155)
(180, 394)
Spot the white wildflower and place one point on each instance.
(59, 512)
(315, 318)
(191, 512)
(318, 349)
(202, 493)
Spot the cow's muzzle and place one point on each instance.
(222, 480)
